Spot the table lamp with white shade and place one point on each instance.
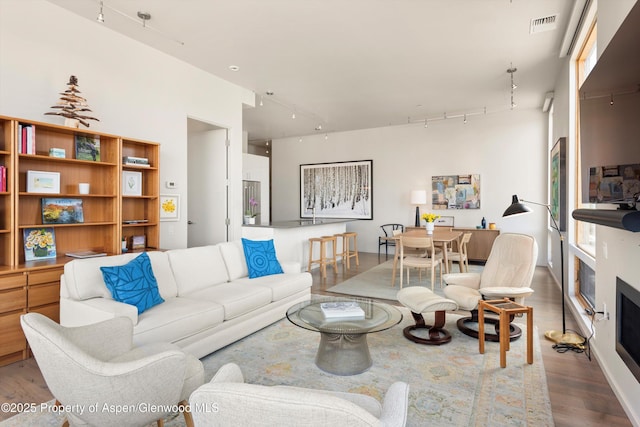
(418, 197)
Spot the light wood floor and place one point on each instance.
(580, 394)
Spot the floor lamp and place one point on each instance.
(518, 207)
(418, 197)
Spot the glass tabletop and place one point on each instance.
(377, 316)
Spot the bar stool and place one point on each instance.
(323, 260)
(347, 253)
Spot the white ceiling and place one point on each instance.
(354, 64)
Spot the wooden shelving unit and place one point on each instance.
(6, 203)
(27, 286)
(146, 206)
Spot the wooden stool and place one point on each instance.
(323, 260)
(505, 308)
(347, 253)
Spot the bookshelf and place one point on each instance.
(141, 213)
(6, 193)
(33, 285)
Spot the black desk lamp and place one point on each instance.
(564, 338)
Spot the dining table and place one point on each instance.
(443, 235)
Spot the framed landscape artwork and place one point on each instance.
(62, 211)
(558, 183)
(337, 190)
(455, 191)
(43, 182)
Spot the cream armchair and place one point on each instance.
(101, 380)
(228, 401)
(507, 274)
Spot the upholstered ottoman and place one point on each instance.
(421, 300)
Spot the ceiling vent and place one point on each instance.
(546, 23)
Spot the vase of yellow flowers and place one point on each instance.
(430, 224)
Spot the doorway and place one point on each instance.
(207, 189)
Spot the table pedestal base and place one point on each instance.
(343, 354)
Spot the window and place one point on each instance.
(586, 60)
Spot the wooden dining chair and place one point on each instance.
(429, 259)
(460, 256)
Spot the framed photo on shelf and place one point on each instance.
(138, 242)
(444, 221)
(39, 243)
(169, 207)
(87, 147)
(337, 190)
(131, 183)
(43, 182)
(62, 211)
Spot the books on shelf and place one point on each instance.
(135, 161)
(3, 179)
(87, 147)
(26, 139)
(85, 254)
(342, 309)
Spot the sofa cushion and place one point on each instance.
(83, 278)
(236, 298)
(281, 285)
(176, 319)
(233, 254)
(133, 283)
(261, 259)
(197, 268)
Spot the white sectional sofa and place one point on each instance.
(209, 300)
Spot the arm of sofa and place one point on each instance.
(94, 310)
(395, 405)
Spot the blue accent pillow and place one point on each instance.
(133, 283)
(261, 258)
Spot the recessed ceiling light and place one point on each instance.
(234, 68)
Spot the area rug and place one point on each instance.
(450, 385)
(376, 282)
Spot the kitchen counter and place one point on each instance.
(305, 222)
(291, 238)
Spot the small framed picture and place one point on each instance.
(138, 242)
(131, 183)
(39, 243)
(169, 207)
(445, 221)
(62, 211)
(43, 182)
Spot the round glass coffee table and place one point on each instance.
(343, 348)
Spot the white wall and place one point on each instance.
(134, 90)
(508, 150)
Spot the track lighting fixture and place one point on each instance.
(145, 16)
(465, 119)
(511, 70)
(611, 102)
(100, 17)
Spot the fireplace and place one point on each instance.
(628, 326)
